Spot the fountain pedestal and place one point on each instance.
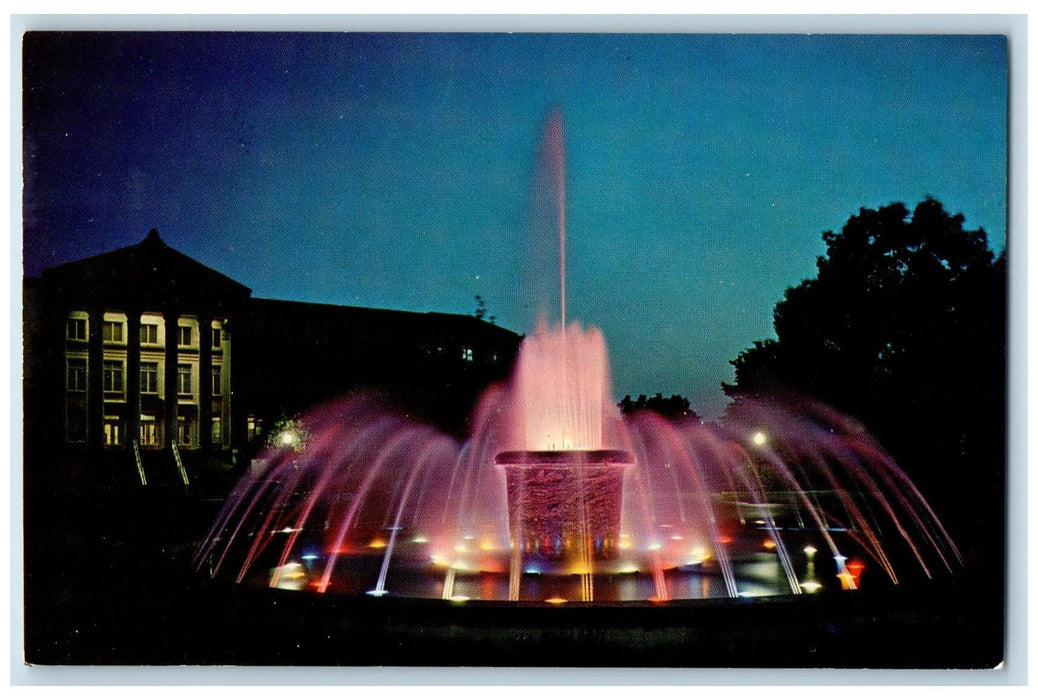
(565, 504)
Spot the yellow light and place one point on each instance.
(655, 546)
(676, 537)
(460, 547)
(768, 544)
(759, 438)
(421, 539)
(810, 551)
(458, 598)
(847, 582)
(625, 544)
(556, 600)
(487, 545)
(810, 586)
(377, 543)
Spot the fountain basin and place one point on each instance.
(565, 504)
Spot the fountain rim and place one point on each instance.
(564, 457)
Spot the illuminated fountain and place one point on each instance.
(556, 497)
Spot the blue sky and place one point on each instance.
(397, 170)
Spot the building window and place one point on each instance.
(113, 332)
(149, 431)
(112, 377)
(253, 427)
(466, 354)
(184, 337)
(217, 431)
(184, 379)
(76, 425)
(184, 428)
(76, 374)
(113, 431)
(76, 329)
(217, 384)
(217, 336)
(149, 334)
(149, 377)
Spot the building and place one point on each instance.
(294, 355)
(134, 344)
(146, 344)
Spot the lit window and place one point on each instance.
(113, 431)
(217, 430)
(76, 374)
(184, 379)
(149, 378)
(184, 339)
(466, 354)
(113, 332)
(149, 334)
(76, 329)
(149, 431)
(253, 426)
(112, 377)
(217, 384)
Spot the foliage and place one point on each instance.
(673, 407)
(904, 328)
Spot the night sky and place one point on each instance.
(398, 170)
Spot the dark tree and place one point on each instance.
(481, 307)
(904, 328)
(673, 407)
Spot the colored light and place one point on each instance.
(759, 438)
(556, 600)
(810, 550)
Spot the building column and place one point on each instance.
(171, 318)
(133, 376)
(205, 383)
(95, 385)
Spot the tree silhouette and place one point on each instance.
(673, 407)
(904, 328)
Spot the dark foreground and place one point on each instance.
(107, 583)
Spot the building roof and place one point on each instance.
(149, 275)
(349, 320)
